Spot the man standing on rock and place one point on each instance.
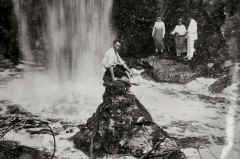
(115, 66)
(192, 36)
(158, 34)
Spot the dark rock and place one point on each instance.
(122, 125)
(137, 63)
(220, 84)
(214, 70)
(232, 36)
(169, 71)
(12, 150)
(13, 109)
(213, 100)
(13, 119)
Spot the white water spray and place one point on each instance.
(78, 33)
(74, 33)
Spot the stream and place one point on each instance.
(182, 110)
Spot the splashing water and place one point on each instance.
(68, 38)
(74, 35)
(78, 33)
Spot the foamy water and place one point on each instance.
(184, 114)
(44, 96)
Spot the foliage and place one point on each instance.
(132, 21)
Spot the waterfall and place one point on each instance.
(73, 35)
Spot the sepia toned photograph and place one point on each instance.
(119, 79)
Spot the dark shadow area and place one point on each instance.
(8, 32)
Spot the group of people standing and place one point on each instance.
(181, 36)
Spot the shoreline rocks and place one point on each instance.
(13, 119)
(165, 70)
(221, 84)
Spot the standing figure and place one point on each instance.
(180, 37)
(158, 34)
(192, 36)
(115, 67)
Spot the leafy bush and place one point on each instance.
(132, 21)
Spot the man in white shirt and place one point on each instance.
(192, 36)
(180, 33)
(113, 61)
(158, 34)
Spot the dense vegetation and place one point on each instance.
(133, 21)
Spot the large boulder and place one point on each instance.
(122, 126)
(163, 70)
(13, 150)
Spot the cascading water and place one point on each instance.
(68, 38)
(23, 32)
(74, 35)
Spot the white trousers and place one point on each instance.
(190, 47)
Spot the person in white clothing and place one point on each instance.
(192, 36)
(158, 34)
(113, 63)
(180, 33)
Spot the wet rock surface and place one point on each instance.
(164, 70)
(221, 84)
(13, 150)
(5, 63)
(122, 126)
(117, 95)
(14, 118)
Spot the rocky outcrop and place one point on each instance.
(5, 63)
(14, 118)
(220, 84)
(163, 70)
(13, 150)
(122, 126)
